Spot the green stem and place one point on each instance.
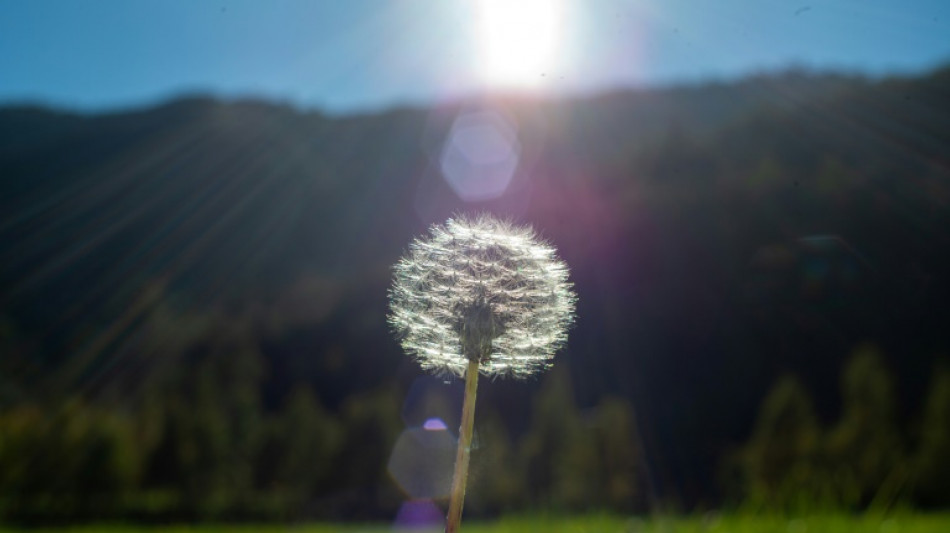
(454, 519)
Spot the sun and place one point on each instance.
(519, 41)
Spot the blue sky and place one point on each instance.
(347, 55)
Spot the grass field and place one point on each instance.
(908, 523)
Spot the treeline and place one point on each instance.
(189, 437)
(868, 458)
(195, 440)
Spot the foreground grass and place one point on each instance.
(732, 524)
(909, 523)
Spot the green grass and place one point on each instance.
(732, 524)
(903, 523)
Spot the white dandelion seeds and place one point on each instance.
(480, 289)
(480, 295)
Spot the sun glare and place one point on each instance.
(519, 41)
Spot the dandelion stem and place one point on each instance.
(457, 498)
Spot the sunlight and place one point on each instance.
(519, 40)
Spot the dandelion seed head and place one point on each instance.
(485, 289)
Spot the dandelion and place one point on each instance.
(481, 290)
(480, 295)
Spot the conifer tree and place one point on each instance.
(619, 449)
(932, 459)
(865, 448)
(560, 451)
(302, 442)
(497, 479)
(779, 461)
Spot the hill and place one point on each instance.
(719, 236)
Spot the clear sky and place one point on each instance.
(346, 55)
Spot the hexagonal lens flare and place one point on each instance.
(422, 460)
(480, 155)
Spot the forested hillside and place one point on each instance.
(193, 303)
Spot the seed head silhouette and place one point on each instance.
(485, 290)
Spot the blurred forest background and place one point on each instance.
(193, 306)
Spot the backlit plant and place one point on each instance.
(480, 295)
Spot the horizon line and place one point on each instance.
(408, 103)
